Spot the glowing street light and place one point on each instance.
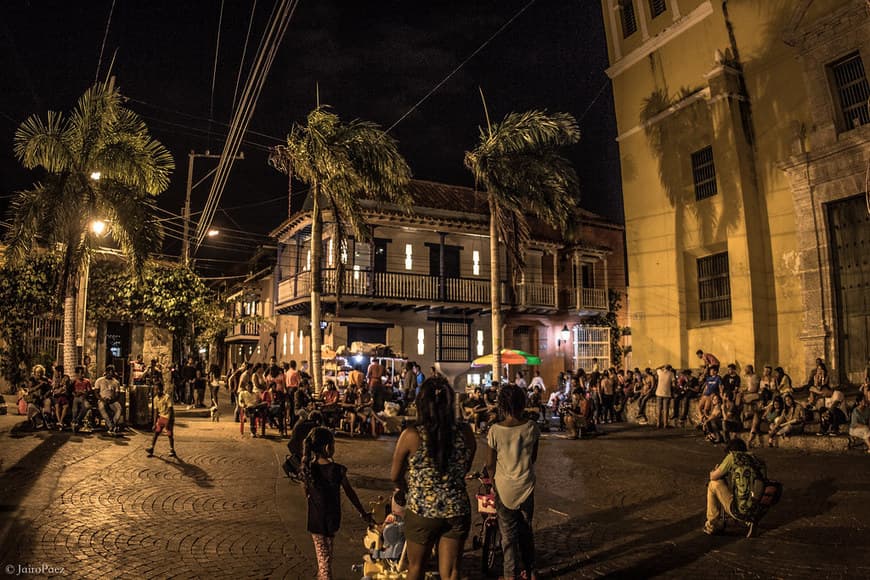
(98, 227)
(96, 175)
(213, 232)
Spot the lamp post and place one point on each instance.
(564, 336)
(98, 228)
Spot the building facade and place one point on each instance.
(420, 286)
(744, 140)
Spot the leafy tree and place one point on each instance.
(171, 297)
(518, 164)
(26, 291)
(342, 163)
(99, 163)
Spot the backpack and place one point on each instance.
(748, 478)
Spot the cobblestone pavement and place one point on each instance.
(628, 504)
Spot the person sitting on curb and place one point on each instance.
(860, 426)
(791, 421)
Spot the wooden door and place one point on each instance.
(849, 226)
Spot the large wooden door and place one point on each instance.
(849, 226)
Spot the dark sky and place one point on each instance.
(372, 60)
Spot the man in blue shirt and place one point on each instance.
(712, 384)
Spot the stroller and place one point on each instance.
(385, 542)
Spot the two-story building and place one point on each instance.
(744, 139)
(421, 286)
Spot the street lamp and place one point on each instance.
(213, 232)
(98, 227)
(564, 336)
(96, 175)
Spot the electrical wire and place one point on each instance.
(217, 50)
(244, 52)
(462, 64)
(270, 43)
(103, 46)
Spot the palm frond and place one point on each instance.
(39, 143)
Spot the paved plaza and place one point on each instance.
(628, 504)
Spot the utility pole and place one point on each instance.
(185, 244)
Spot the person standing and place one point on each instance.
(664, 386)
(374, 373)
(323, 479)
(164, 420)
(435, 454)
(188, 376)
(512, 449)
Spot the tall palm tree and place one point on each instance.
(342, 163)
(518, 164)
(99, 164)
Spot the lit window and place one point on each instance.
(409, 256)
(308, 261)
(479, 343)
(475, 258)
(292, 343)
(329, 258)
(344, 251)
(474, 379)
(284, 344)
(421, 341)
(356, 272)
(300, 342)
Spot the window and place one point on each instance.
(657, 7)
(409, 256)
(308, 261)
(629, 22)
(292, 343)
(380, 255)
(473, 379)
(853, 91)
(591, 345)
(453, 341)
(421, 341)
(475, 262)
(479, 343)
(704, 173)
(587, 272)
(714, 287)
(301, 338)
(330, 260)
(284, 345)
(356, 272)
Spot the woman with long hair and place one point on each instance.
(435, 455)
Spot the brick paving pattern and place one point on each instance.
(629, 504)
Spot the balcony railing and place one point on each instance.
(245, 329)
(423, 288)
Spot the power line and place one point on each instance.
(217, 50)
(244, 52)
(462, 64)
(103, 46)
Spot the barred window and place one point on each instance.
(714, 287)
(657, 7)
(852, 89)
(704, 173)
(629, 21)
(453, 341)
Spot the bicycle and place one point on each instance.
(488, 539)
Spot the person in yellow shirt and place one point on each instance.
(164, 420)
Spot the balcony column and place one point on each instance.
(370, 283)
(556, 279)
(577, 278)
(606, 288)
(442, 282)
(296, 267)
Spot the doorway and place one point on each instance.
(118, 338)
(849, 226)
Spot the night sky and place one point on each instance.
(372, 60)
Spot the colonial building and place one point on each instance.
(250, 309)
(421, 286)
(744, 139)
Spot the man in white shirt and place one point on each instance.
(108, 387)
(664, 386)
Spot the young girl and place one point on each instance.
(323, 479)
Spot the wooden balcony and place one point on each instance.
(246, 331)
(423, 289)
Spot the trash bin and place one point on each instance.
(140, 405)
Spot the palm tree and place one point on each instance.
(101, 165)
(342, 163)
(518, 164)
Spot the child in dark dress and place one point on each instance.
(323, 480)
